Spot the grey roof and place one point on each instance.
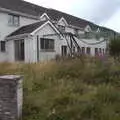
(27, 29)
(35, 10)
(72, 20)
(22, 6)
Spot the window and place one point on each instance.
(64, 50)
(47, 44)
(2, 46)
(96, 51)
(78, 49)
(61, 28)
(13, 20)
(76, 31)
(87, 34)
(103, 51)
(83, 50)
(100, 50)
(88, 50)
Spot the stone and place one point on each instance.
(11, 97)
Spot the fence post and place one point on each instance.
(11, 97)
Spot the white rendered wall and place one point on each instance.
(31, 46)
(10, 51)
(6, 29)
(92, 47)
(48, 55)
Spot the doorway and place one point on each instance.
(19, 50)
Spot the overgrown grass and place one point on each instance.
(69, 89)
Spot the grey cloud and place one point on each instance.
(97, 10)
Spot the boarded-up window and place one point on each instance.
(47, 44)
(88, 50)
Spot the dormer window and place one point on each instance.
(88, 29)
(61, 28)
(76, 31)
(44, 17)
(98, 30)
(87, 34)
(13, 20)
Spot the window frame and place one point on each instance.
(45, 44)
(13, 20)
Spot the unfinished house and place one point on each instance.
(32, 33)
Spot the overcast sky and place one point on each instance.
(102, 12)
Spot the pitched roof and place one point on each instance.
(71, 20)
(35, 10)
(27, 29)
(22, 6)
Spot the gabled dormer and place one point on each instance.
(62, 23)
(88, 32)
(98, 30)
(44, 17)
(88, 29)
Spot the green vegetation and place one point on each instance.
(69, 89)
(114, 47)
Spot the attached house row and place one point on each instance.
(32, 33)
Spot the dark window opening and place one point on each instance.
(103, 51)
(78, 49)
(83, 50)
(100, 50)
(19, 50)
(2, 46)
(96, 51)
(47, 44)
(88, 50)
(76, 31)
(61, 28)
(64, 50)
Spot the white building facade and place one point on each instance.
(40, 36)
